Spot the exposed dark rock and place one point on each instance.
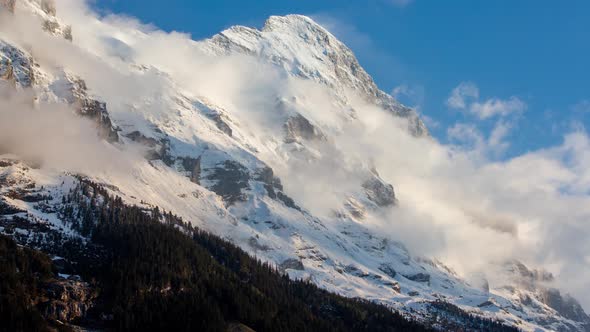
(6, 163)
(566, 305)
(274, 187)
(97, 111)
(193, 167)
(533, 275)
(51, 26)
(48, 6)
(7, 71)
(379, 192)
(230, 178)
(271, 182)
(157, 149)
(138, 137)
(68, 300)
(254, 243)
(299, 128)
(486, 304)
(16, 67)
(67, 32)
(87, 107)
(221, 124)
(293, 264)
(355, 271)
(419, 277)
(288, 201)
(413, 293)
(388, 270)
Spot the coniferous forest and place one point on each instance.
(153, 272)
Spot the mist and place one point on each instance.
(456, 202)
(52, 136)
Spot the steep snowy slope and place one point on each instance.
(305, 49)
(265, 163)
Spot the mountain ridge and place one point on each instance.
(207, 164)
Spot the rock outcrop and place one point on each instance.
(379, 192)
(299, 128)
(67, 300)
(74, 91)
(16, 66)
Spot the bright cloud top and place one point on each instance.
(465, 97)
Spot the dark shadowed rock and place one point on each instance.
(97, 111)
(379, 192)
(193, 167)
(272, 184)
(274, 187)
(67, 33)
(254, 243)
(138, 137)
(230, 178)
(16, 67)
(566, 305)
(355, 271)
(67, 300)
(157, 149)
(299, 128)
(293, 264)
(419, 277)
(221, 123)
(74, 91)
(48, 6)
(388, 270)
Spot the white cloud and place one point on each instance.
(461, 94)
(494, 106)
(466, 97)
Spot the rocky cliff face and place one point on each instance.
(16, 66)
(67, 300)
(74, 91)
(210, 166)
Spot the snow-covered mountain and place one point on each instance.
(261, 142)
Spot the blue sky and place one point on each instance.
(528, 60)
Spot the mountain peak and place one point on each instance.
(294, 23)
(305, 49)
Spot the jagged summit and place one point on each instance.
(305, 49)
(214, 162)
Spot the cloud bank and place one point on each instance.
(455, 203)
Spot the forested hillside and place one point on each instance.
(155, 272)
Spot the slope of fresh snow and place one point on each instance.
(212, 163)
